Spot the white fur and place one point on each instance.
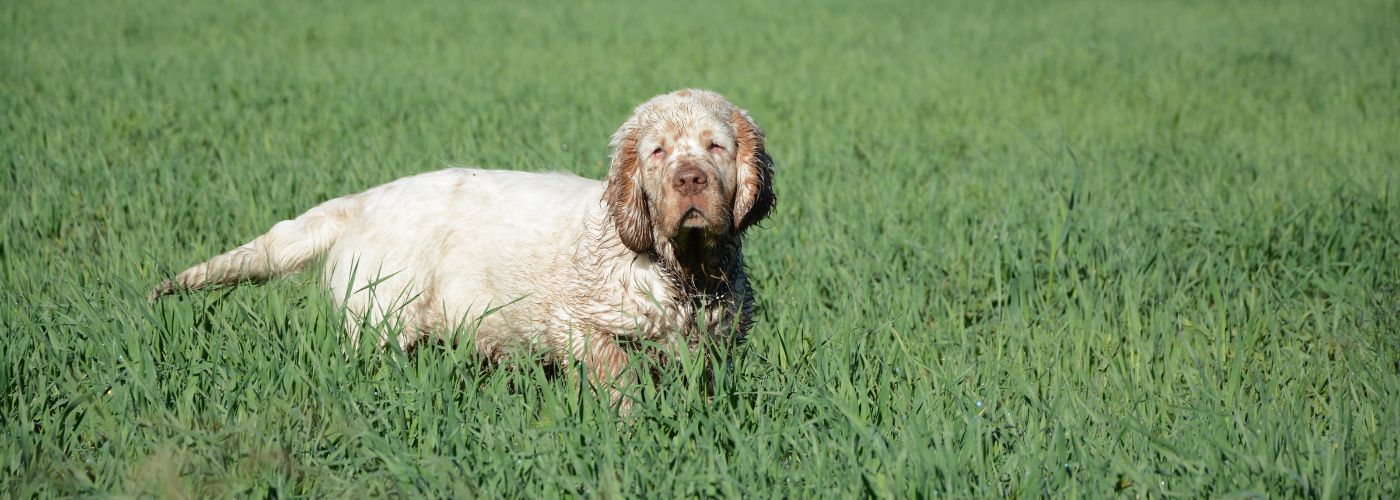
(460, 242)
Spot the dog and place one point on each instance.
(579, 270)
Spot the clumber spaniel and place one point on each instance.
(578, 269)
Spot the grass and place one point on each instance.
(1022, 248)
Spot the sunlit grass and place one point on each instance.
(1021, 248)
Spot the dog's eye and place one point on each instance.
(658, 153)
(717, 149)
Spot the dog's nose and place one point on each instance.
(689, 180)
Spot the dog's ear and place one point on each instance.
(626, 200)
(755, 197)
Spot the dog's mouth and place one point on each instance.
(694, 229)
(694, 218)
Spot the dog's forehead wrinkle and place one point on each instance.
(681, 130)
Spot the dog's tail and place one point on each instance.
(287, 248)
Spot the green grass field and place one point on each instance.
(1021, 249)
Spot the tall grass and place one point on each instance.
(1022, 248)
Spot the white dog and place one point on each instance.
(572, 267)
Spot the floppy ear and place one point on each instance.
(755, 197)
(624, 196)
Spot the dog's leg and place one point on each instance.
(605, 365)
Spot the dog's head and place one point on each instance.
(688, 164)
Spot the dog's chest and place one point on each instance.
(638, 311)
